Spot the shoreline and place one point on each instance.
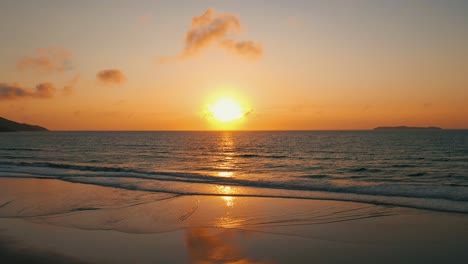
(61, 220)
(432, 204)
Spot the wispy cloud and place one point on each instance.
(213, 27)
(15, 91)
(47, 60)
(208, 28)
(111, 76)
(12, 91)
(248, 49)
(44, 90)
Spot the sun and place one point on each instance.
(226, 110)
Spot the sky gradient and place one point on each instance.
(156, 65)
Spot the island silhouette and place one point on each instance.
(12, 126)
(406, 128)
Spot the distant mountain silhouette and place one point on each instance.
(406, 128)
(11, 126)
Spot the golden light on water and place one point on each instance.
(225, 174)
(225, 189)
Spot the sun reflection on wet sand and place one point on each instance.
(206, 246)
(227, 220)
(229, 200)
(221, 189)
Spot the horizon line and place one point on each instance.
(235, 130)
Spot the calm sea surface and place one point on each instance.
(420, 169)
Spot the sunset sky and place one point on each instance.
(159, 65)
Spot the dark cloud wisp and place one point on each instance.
(15, 91)
(111, 76)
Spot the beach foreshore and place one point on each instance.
(52, 221)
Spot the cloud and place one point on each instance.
(213, 27)
(47, 60)
(44, 90)
(248, 49)
(15, 91)
(111, 76)
(208, 28)
(12, 91)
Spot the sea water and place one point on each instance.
(419, 169)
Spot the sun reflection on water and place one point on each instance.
(225, 174)
(226, 151)
(224, 189)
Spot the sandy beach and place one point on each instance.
(38, 224)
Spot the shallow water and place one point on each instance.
(421, 169)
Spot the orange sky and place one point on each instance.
(157, 65)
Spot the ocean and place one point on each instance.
(417, 169)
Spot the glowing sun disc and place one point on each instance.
(226, 110)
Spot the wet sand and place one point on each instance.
(51, 221)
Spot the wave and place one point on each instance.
(21, 149)
(448, 198)
(362, 169)
(417, 174)
(402, 166)
(434, 204)
(317, 176)
(89, 168)
(261, 156)
(16, 157)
